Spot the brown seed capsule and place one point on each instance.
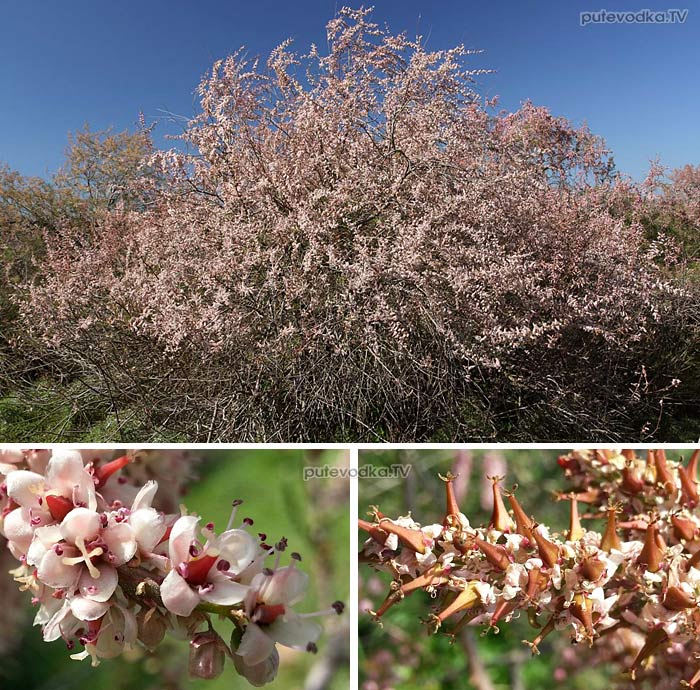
(548, 552)
(500, 519)
(374, 531)
(466, 599)
(523, 524)
(689, 488)
(436, 575)
(683, 528)
(654, 639)
(592, 569)
(663, 472)
(495, 554)
(676, 599)
(575, 529)
(651, 556)
(631, 483)
(451, 507)
(410, 538)
(610, 539)
(582, 609)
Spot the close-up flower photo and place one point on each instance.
(523, 568)
(172, 568)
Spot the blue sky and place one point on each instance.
(64, 63)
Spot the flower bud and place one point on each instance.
(207, 655)
(151, 628)
(258, 674)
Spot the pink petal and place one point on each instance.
(87, 609)
(102, 587)
(177, 595)
(67, 475)
(80, 522)
(182, 535)
(120, 542)
(55, 573)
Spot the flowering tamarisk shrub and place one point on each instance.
(355, 243)
(108, 571)
(629, 590)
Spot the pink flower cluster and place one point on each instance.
(636, 581)
(107, 570)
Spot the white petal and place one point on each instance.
(184, 532)
(102, 587)
(87, 609)
(238, 548)
(144, 498)
(177, 595)
(80, 522)
(17, 529)
(25, 487)
(255, 645)
(120, 542)
(148, 526)
(287, 586)
(293, 631)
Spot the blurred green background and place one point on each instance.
(401, 655)
(313, 515)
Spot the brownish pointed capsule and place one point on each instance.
(466, 599)
(392, 598)
(628, 454)
(495, 554)
(689, 488)
(451, 507)
(693, 465)
(500, 520)
(664, 475)
(374, 531)
(537, 582)
(652, 555)
(592, 568)
(676, 599)
(548, 552)
(654, 639)
(549, 626)
(503, 608)
(523, 524)
(582, 608)
(631, 483)
(435, 575)
(683, 528)
(575, 529)
(610, 539)
(410, 538)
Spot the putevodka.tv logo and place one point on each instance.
(638, 17)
